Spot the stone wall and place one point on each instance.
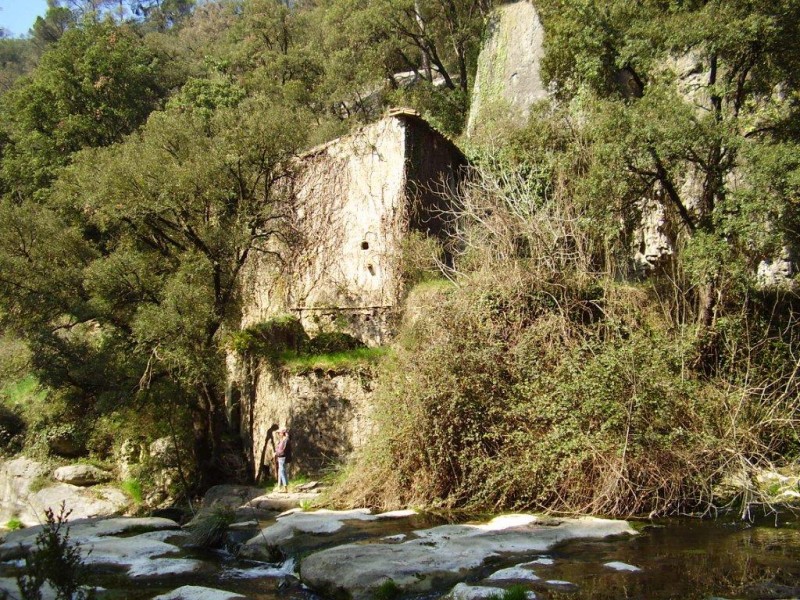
(326, 412)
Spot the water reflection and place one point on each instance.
(685, 559)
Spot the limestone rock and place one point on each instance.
(621, 566)
(777, 272)
(442, 555)
(99, 501)
(17, 500)
(509, 65)
(321, 528)
(66, 445)
(230, 496)
(462, 591)
(17, 543)
(195, 592)
(81, 475)
(16, 477)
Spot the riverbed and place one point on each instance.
(674, 558)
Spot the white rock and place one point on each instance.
(513, 573)
(82, 532)
(124, 551)
(462, 591)
(442, 554)
(318, 522)
(542, 560)
(81, 475)
(560, 583)
(164, 566)
(621, 566)
(194, 592)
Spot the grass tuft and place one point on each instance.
(334, 361)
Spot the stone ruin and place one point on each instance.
(356, 200)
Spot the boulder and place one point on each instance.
(508, 77)
(81, 475)
(443, 555)
(462, 591)
(66, 445)
(16, 477)
(81, 503)
(195, 592)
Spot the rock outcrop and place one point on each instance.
(298, 532)
(328, 413)
(442, 555)
(26, 492)
(508, 79)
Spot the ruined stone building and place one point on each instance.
(356, 199)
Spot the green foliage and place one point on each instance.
(332, 343)
(55, 561)
(422, 257)
(387, 590)
(133, 488)
(334, 361)
(93, 86)
(14, 524)
(514, 592)
(270, 338)
(208, 531)
(518, 392)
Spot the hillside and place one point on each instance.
(602, 319)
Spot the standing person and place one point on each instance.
(282, 453)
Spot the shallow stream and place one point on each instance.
(684, 559)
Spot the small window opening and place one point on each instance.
(371, 269)
(365, 245)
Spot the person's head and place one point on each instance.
(283, 431)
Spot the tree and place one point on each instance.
(694, 139)
(48, 30)
(97, 84)
(175, 212)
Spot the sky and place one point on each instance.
(17, 16)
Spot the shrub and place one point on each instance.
(387, 590)
(516, 392)
(208, 531)
(270, 338)
(327, 343)
(56, 561)
(13, 524)
(133, 488)
(12, 429)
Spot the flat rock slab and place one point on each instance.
(442, 555)
(462, 591)
(17, 543)
(296, 532)
(195, 592)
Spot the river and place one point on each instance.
(675, 558)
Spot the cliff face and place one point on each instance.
(508, 79)
(327, 412)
